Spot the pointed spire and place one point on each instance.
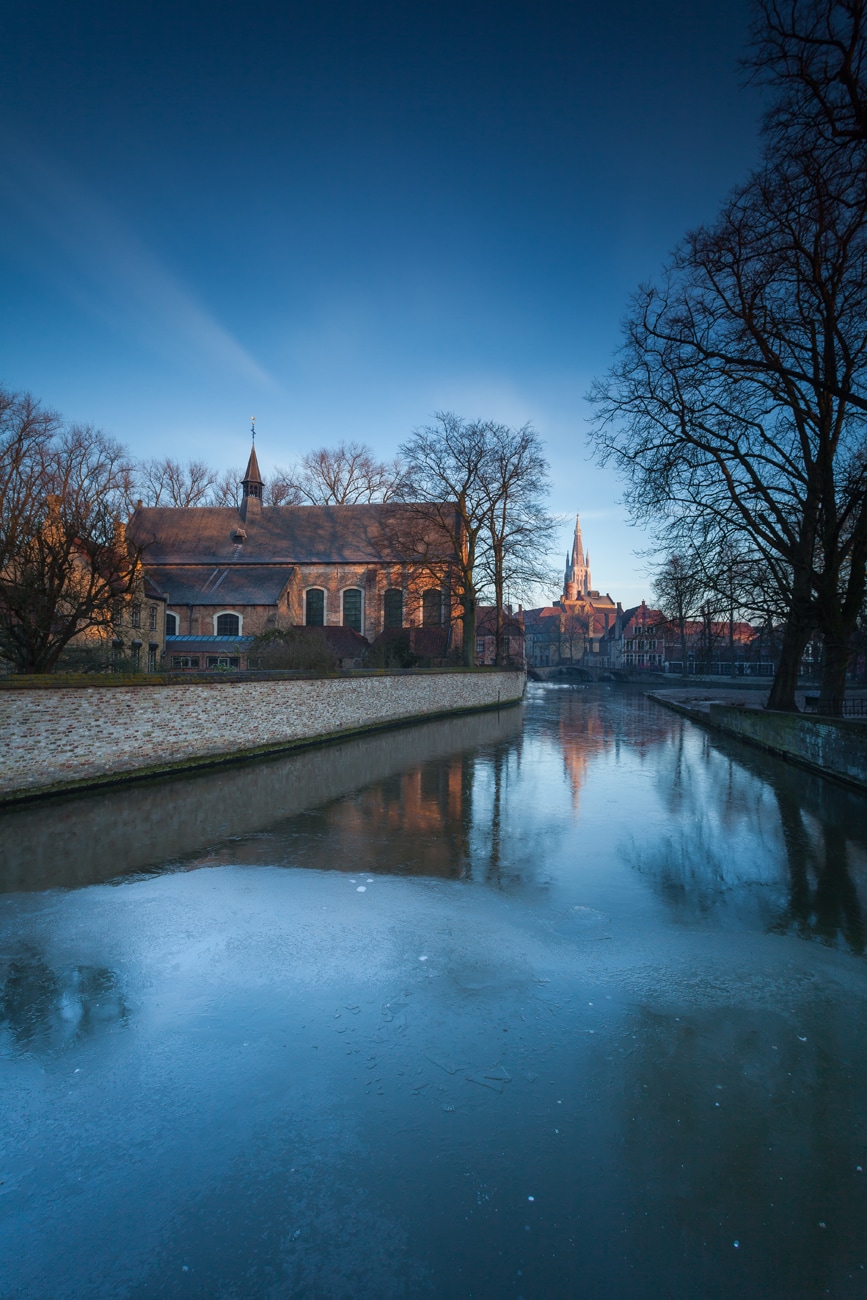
(252, 483)
(252, 477)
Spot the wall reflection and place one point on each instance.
(87, 839)
(413, 823)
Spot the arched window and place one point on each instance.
(171, 625)
(314, 607)
(432, 608)
(227, 625)
(352, 608)
(392, 608)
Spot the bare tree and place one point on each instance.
(574, 630)
(169, 483)
(811, 53)
(515, 487)
(281, 490)
(737, 404)
(349, 474)
(65, 559)
(27, 430)
(445, 464)
(679, 589)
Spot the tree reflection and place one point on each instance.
(44, 1010)
(823, 899)
(750, 833)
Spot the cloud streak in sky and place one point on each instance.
(118, 277)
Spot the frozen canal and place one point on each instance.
(569, 1002)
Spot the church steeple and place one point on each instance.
(578, 582)
(252, 483)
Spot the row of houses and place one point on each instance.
(641, 639)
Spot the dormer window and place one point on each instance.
(240, 534)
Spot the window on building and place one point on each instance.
(185, 661)
(135, 657)
(152, 617)
(152, 659)
(314, 607)
(224, 661)
(135, 615)
(228, 625)
(432, 609)
(392, 608)
(171, 625)
(352, 609)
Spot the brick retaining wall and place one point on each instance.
(833, 746)
(56, 738)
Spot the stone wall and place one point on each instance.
(833, 746)
(86, 841)
(60, 737)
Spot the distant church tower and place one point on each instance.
(577, 581)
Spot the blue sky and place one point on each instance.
(342, 217)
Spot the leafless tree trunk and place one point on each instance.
(515, 486)
(678, 589)
(445, 463)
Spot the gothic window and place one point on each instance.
(352, 608)
(393, 608)
(314, 607)
(431, 608)
(171, 625)
(228, 625)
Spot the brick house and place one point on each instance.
(232, 574)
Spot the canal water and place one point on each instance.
(569, 1001)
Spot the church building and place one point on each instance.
(230, 574)
(575, 625)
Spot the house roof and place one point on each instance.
(220, 584)
(356, 534)
(152, 591)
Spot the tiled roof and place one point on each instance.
(358, 534)
(221, 584)
(152, 591)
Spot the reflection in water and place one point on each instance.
(44, 1010)
(736, 838)
(86, 839)
(753, 837)
(823, 900)
(413, 823)
(593, 1058)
